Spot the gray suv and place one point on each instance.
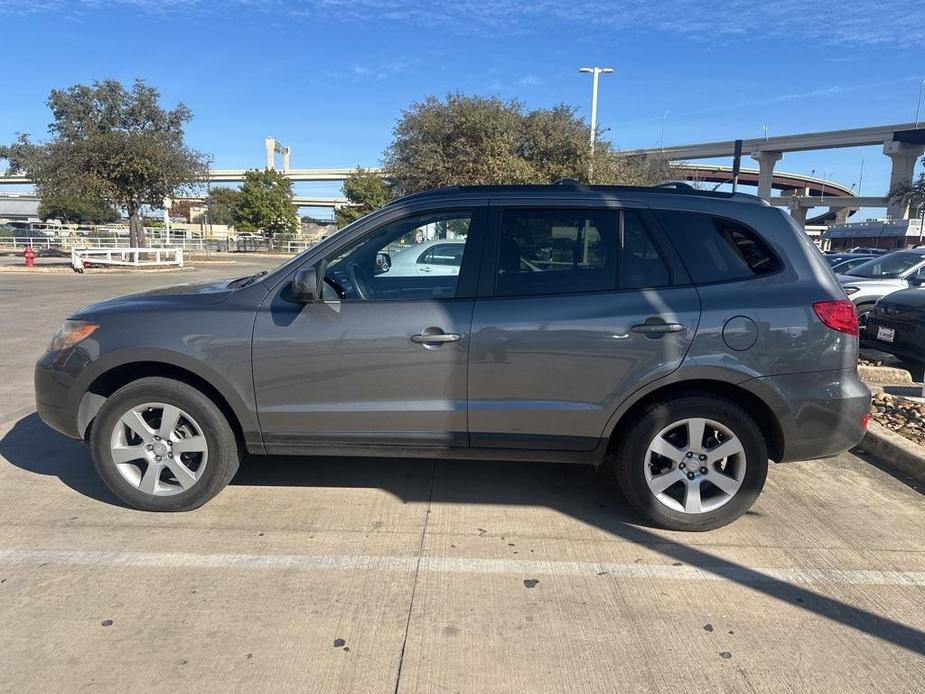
(678, 337)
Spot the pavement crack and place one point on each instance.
(414, 581)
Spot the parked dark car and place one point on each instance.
(896, 325)
(685, 337)
(834, 259)
(847, 264)
(870, 251)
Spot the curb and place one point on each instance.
(55, 270)
(886, 375)
(894, 450)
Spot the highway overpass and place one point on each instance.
(903, 143)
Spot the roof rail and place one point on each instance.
(677, 185)
(669, 188)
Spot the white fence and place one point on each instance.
(64, 243)
(128, 257)
(193, 244)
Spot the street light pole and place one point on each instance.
(918, 106)
(596, 72)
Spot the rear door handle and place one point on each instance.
(428, 339)
(658, 328)
(435, 336)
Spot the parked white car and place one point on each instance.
(440, 257)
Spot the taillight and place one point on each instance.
(838, 314)
(865, 421)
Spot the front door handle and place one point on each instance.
(435, 337)
(658, 329)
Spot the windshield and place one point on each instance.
(888, 266)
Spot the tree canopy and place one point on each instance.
(223, 205)
(77, 209)
(365, 191)
(473, 140)
(266, 204)
(112, 144)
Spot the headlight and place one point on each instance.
(70, 333)
(851, 290)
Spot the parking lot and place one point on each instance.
(433, 576)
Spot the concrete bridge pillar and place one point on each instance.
(766, 161)
(270, 145)
(799, 214)
(903, 156)
(841, 215)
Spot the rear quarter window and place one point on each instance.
(716, 249)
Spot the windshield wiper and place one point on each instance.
(249, 280)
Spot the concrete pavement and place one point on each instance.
(324, 575)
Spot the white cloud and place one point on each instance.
(843, 22)
(530, 81)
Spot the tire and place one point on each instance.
(637, 467)
(210, 466)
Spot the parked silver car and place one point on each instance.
(868, 282)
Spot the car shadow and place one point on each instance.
(578, 491)
(35, 447)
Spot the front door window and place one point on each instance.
(417, 257)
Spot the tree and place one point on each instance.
(484, 140)
(181, 208)
(82, 210)
(223, 205)
(266, 204)
(112, 144)
(366, 191)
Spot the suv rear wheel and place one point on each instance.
(162, 445)
(693, 462)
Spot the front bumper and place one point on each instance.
(56, 397)
(820, 414)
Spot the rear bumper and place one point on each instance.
(820, 414)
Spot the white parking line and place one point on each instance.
(22, 557)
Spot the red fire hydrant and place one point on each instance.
(29, 255)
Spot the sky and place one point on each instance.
(329, 78)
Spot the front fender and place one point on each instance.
(228, 372)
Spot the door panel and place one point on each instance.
(548, 371)
(383, 359)
(348, 372)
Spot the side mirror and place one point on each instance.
(383, 262)
(304, 286)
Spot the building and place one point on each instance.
(905, 233)
(13, 210)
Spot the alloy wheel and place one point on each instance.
(159, 449)
(695, 465)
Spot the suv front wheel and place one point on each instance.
(162, 445)
(694, 462)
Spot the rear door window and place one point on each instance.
(715, 249)
(561, 251)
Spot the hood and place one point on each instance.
(196, 294)
(853, 280)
